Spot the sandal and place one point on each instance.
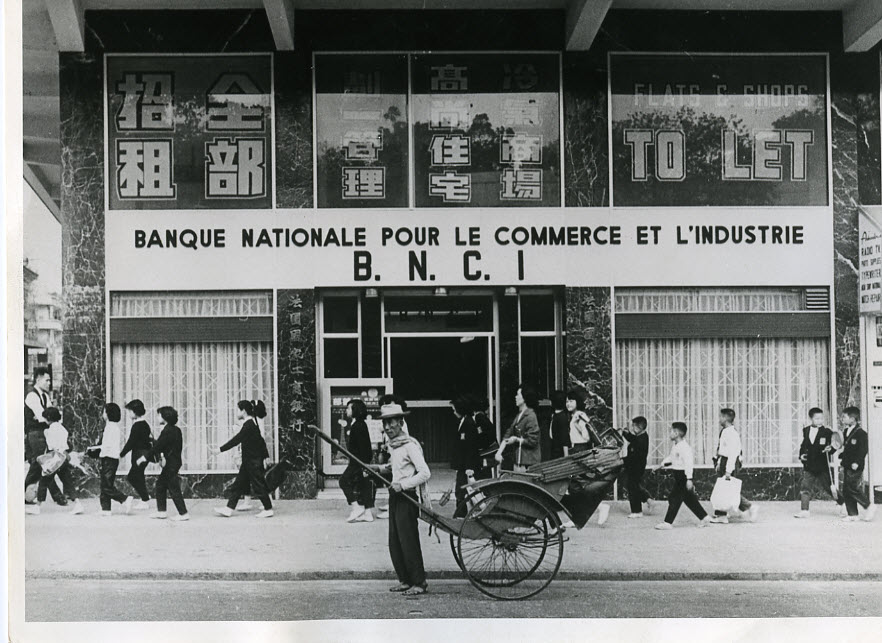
(416, 590)
(400, 587)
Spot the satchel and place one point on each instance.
(51, 462)
(726, 495)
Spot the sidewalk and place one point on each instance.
(309, 539)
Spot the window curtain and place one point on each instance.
(770, 383)
(186, 304)
(204, 382)
(708, 300)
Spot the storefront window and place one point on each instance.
(340, 314)
(538, 341)
(415, 314)
(341, 357)
(341, 328)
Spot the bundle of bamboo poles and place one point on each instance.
(592, 463)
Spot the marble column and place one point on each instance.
(293, 105)
(589, 348)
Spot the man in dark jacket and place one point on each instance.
(635, 466)
(853, 455)
(816, 444)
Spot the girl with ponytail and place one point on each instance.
(252, 475)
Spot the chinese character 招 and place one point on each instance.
(144, 169)
(449, 113)
(235, 168)
(362, 145)
(364, 182)
(449, 78)
(520, 148)
(235, 102)
(523, 77)
(147, 102)
(450, 149)
(523, 185)
(452, 187)
(520, 111)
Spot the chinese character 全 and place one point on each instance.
(449, 78)
(147, 102)
(364, 182)
(450, 149)
(144, 169)
(452, 187)
(521, 111)
(521, 76)
(520, 148)
(236, 103)
(521, 184)
(362, 145)
(447, 113)
(235, 168)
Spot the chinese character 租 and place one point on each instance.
(362, 145)
(357, 82)
(236, 103)
(522, 76)
(144, 169)
(520, 111)
(452, 187)
(450, 149)
(364, 182)
(449, 78)
(449, 113)
(147, 102)
(521, 184)
(235, 168)
(520, 148)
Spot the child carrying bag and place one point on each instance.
(726, 495)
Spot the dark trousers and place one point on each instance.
(35, 474)
(583, 497)
(251, 477)
(136, 477)
(356, 487)
(852, 491)
(169, 484)
(743, 503)
(637, 495)
(679, 495)
(404, 540)
(108, 483)
(460, 493)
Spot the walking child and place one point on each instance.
(635, 466)
(681, 461)
(465, 456)
(56, 440)
(252, 474)
(109, 461)
(816, 444)
(37, 400)
(140, 441)
(169, 445)
(853, 455)
(728, 463)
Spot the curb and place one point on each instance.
(451, 575)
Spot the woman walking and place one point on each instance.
(254, 453)
(139, 443)
(466, 457)
(520, 444)
(356, 486)
(169, 445)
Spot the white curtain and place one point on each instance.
(188, 304)
(203, 381)
(708, 300)
(770, 383)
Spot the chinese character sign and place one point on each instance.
(361, 131)
(189, 132)
(719, 130)
(486, 130)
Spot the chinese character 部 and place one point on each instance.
(147, 102)
(362, 145)
(520, 111)
(364, 182)
(235, 168)
(521, 184)
(449, 78)
(452, 187)
(144, 169)
(235, 102)
(450, 149)
(520, 148)
(449, 113)
(523, 77)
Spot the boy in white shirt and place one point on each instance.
(681, 462)
(56, 440)
(109, 458)
(728, 462)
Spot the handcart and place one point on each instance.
(510, 543)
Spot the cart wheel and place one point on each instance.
(510, 546)
(468, 501)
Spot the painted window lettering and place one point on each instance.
(452, 187)
(144, 169)
(362, 145)
(447, 113)
(235, 102)
(147, 102)
(235, 168)
(520, 147)
(449, 78)
(364, 182)
(452, 149)
(521, 111)
(520, 77)
(523, 185)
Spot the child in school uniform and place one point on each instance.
(728, 463)
(109, 459)
(635, 467)
(56, 440)
(816, 444)
(854, 453)
(681, 462)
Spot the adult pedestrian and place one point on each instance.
(486, 431)
(559, 429)
(465, 455)
(109, 461)
(252, 472)
(139, 443)
(520, 445)
(357, 488)
(169, 445)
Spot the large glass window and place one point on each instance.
(341, 334)
(539, 341)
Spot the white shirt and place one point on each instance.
(730, 447)
(110, 446)
(56, 437)
(813, 433)
(35, 404)
(680, 458)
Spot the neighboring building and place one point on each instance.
(35, 352)
(49, 328)
(676, 233)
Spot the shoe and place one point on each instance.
(602, 514)
(181, 517)
(635, 515)
(127, 505)
(366, 516)
(357, 510)
(869, 513)
(76, 509)
(400, 587)
(226, 512)
(850, 519)
(704, 522)
(753, 512)
(664, 526)
(720, 520)
(647, 507)
(416, 590)
(803, 513)
(568, 524)
(382, 514)
(159, 515)
(245, 506)
(140, 505)
(266, 513)
(106, 513)
(843, 510)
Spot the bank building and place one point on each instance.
(673, 207)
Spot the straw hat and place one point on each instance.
(389, 411)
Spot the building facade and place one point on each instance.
(439, 203)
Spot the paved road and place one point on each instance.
(55, 600)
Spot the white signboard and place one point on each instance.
(870, 264)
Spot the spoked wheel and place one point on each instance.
(468, 501)
(510, 546)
